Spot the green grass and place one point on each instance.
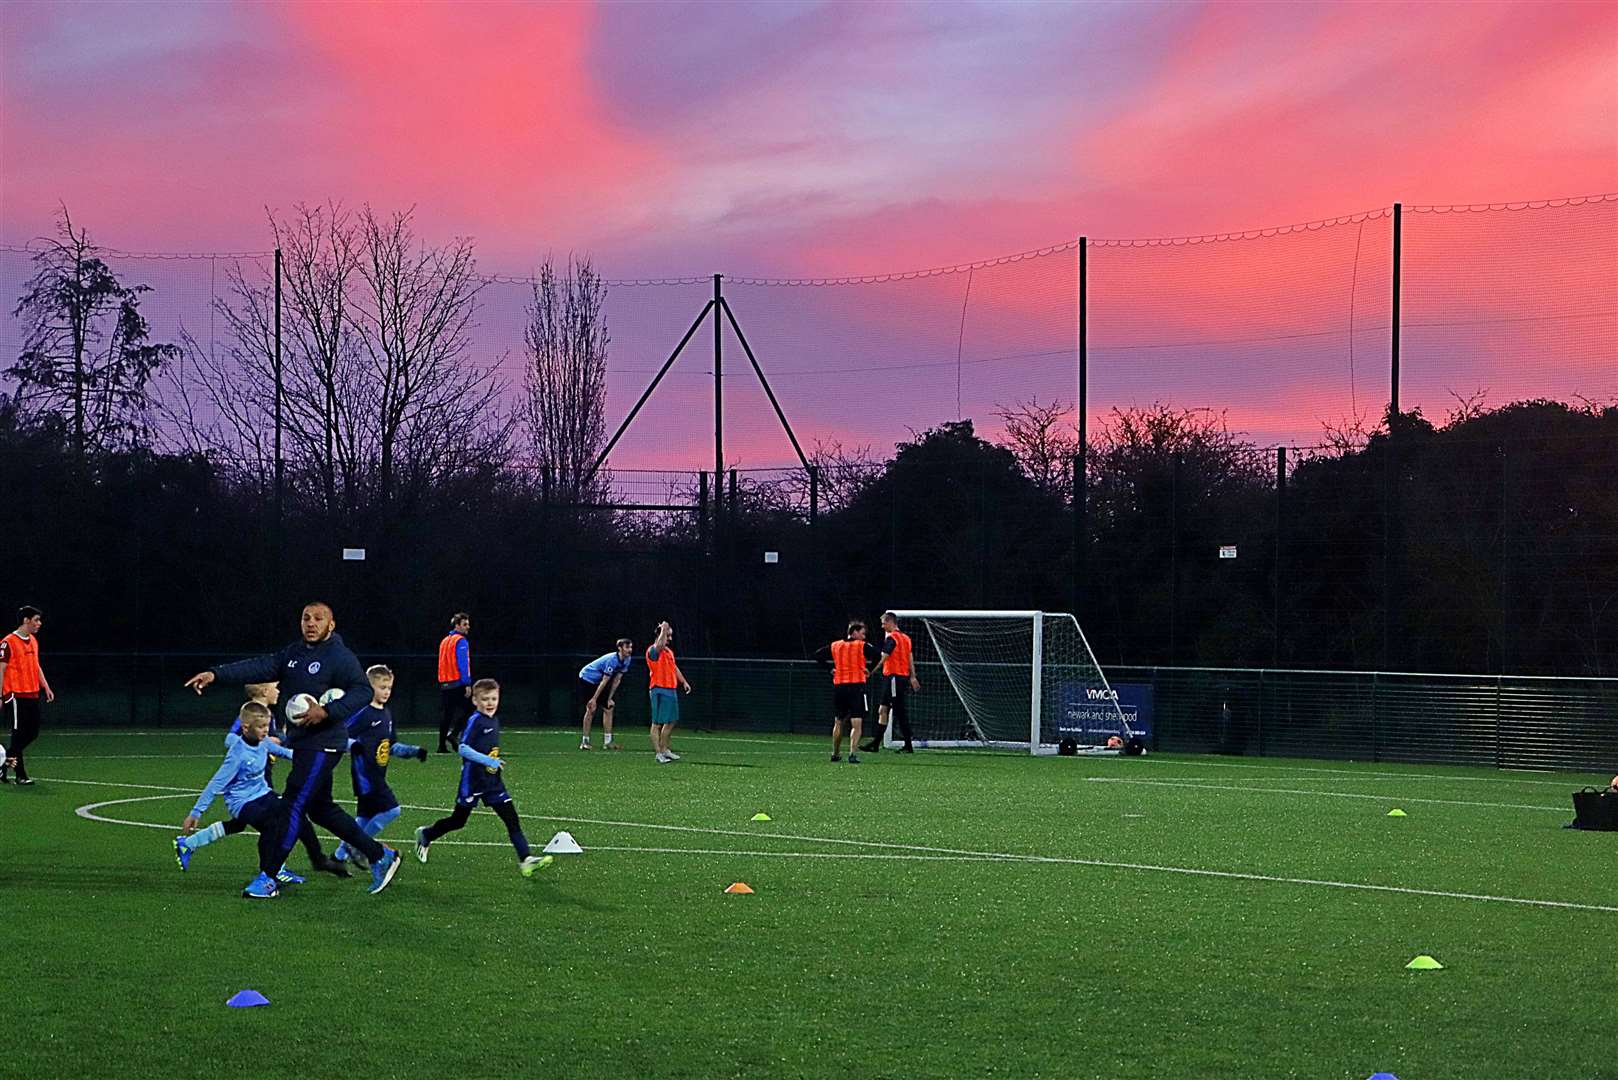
(870, 961)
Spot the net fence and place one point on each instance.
(1486, 546)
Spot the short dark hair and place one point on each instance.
(856, 624)
(624, 641)
(321, 603)
(28, 611)
(483, 686)
(888, 616)
(458, 618)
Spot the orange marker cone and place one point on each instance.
(740, 887)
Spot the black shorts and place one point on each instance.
(894, 687)
(587, 690)
(848, 700)
(263, 814)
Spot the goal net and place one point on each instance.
(1021, 680)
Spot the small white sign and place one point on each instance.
(772, 557)
(353, 554)
(1227, 551)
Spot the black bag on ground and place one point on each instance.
(1595, 809)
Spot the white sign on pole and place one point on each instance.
(1227, 551)
(772, 557)
(353, 554)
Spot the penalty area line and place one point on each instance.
(919, 852)
(1322, 794)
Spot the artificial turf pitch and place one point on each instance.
(938, 915)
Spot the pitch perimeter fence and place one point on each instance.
(1505, 721)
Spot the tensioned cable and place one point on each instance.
(957, 268)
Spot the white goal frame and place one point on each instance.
(1036, 619)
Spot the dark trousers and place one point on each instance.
(268, 815)
(309, 802)
(22, 717)
(896, 695)
(458, 818)
(898, 710)
(306, 834)
(455, 708)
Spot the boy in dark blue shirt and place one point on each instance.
(483, 780)
(371, 746)
(248, 798)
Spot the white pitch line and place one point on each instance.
(110, 783)
(1322, 794)
(1369, 775)
(949, 854)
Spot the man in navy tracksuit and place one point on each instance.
(318, 739)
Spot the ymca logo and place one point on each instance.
(1101, 695)
(314, 667)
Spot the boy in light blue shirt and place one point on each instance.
(240, 779)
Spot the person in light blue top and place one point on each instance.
(240, 779)
(598, 688)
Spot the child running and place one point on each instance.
(483, 780)
(371, 746)
(250, 802)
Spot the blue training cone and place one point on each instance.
(247, 999)
(1383, 1076)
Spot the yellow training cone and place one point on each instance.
(1396, 812)
(760, 816)
(1424, 963)
(740, 887)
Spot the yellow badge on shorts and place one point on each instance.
(384, 751)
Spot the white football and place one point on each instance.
(299, 707)
(330, 696)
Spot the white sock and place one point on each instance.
(213, 832)
(607, 741)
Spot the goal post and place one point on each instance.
(1018, 680)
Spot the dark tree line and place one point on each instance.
(145, 518)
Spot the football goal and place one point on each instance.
(1022, 680)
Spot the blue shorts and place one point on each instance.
(379, 800)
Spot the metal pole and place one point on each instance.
(1081, 502)
(1390, 464)
(718, 390)
(1398, 255)
(1084, 344)
(1174, 560)
(280, 464)
(1280, 558)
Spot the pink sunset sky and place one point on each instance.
(809, 140)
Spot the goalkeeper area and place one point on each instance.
(942, 914)
(1013, 680)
